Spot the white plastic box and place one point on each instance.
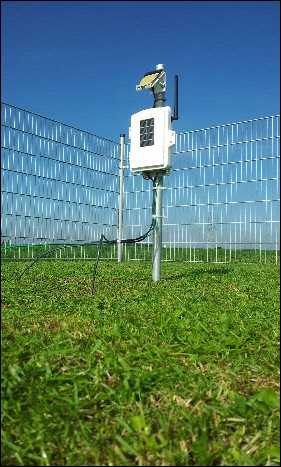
(151, 140)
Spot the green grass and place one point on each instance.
(180, 372)
(143, 251)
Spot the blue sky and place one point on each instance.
(78, 62)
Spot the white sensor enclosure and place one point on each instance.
(151, 140)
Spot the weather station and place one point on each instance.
(151, 153)
(151, 148)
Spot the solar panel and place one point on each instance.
(146, 132)
(148, 79)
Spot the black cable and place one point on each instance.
(50, 251)
(39, 257)
(129, 240)
(102, 240)
(147, 176)
(96, 265)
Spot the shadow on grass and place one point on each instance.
(200, 272)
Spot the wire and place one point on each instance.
(71, 245)
(103, 239)
(150, 231)
(39, 257)
(39, 244)
(96, 265)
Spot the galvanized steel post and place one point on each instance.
(159, 101)
(120, 199)
(157, 237)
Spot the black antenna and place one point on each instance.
(176, 104)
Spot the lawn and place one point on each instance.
(180, 372)
(143, 251)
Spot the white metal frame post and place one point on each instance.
(121, 195)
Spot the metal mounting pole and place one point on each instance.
(120, 199)
(159, 101)
(157, 237)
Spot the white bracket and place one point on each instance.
(172, 137)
